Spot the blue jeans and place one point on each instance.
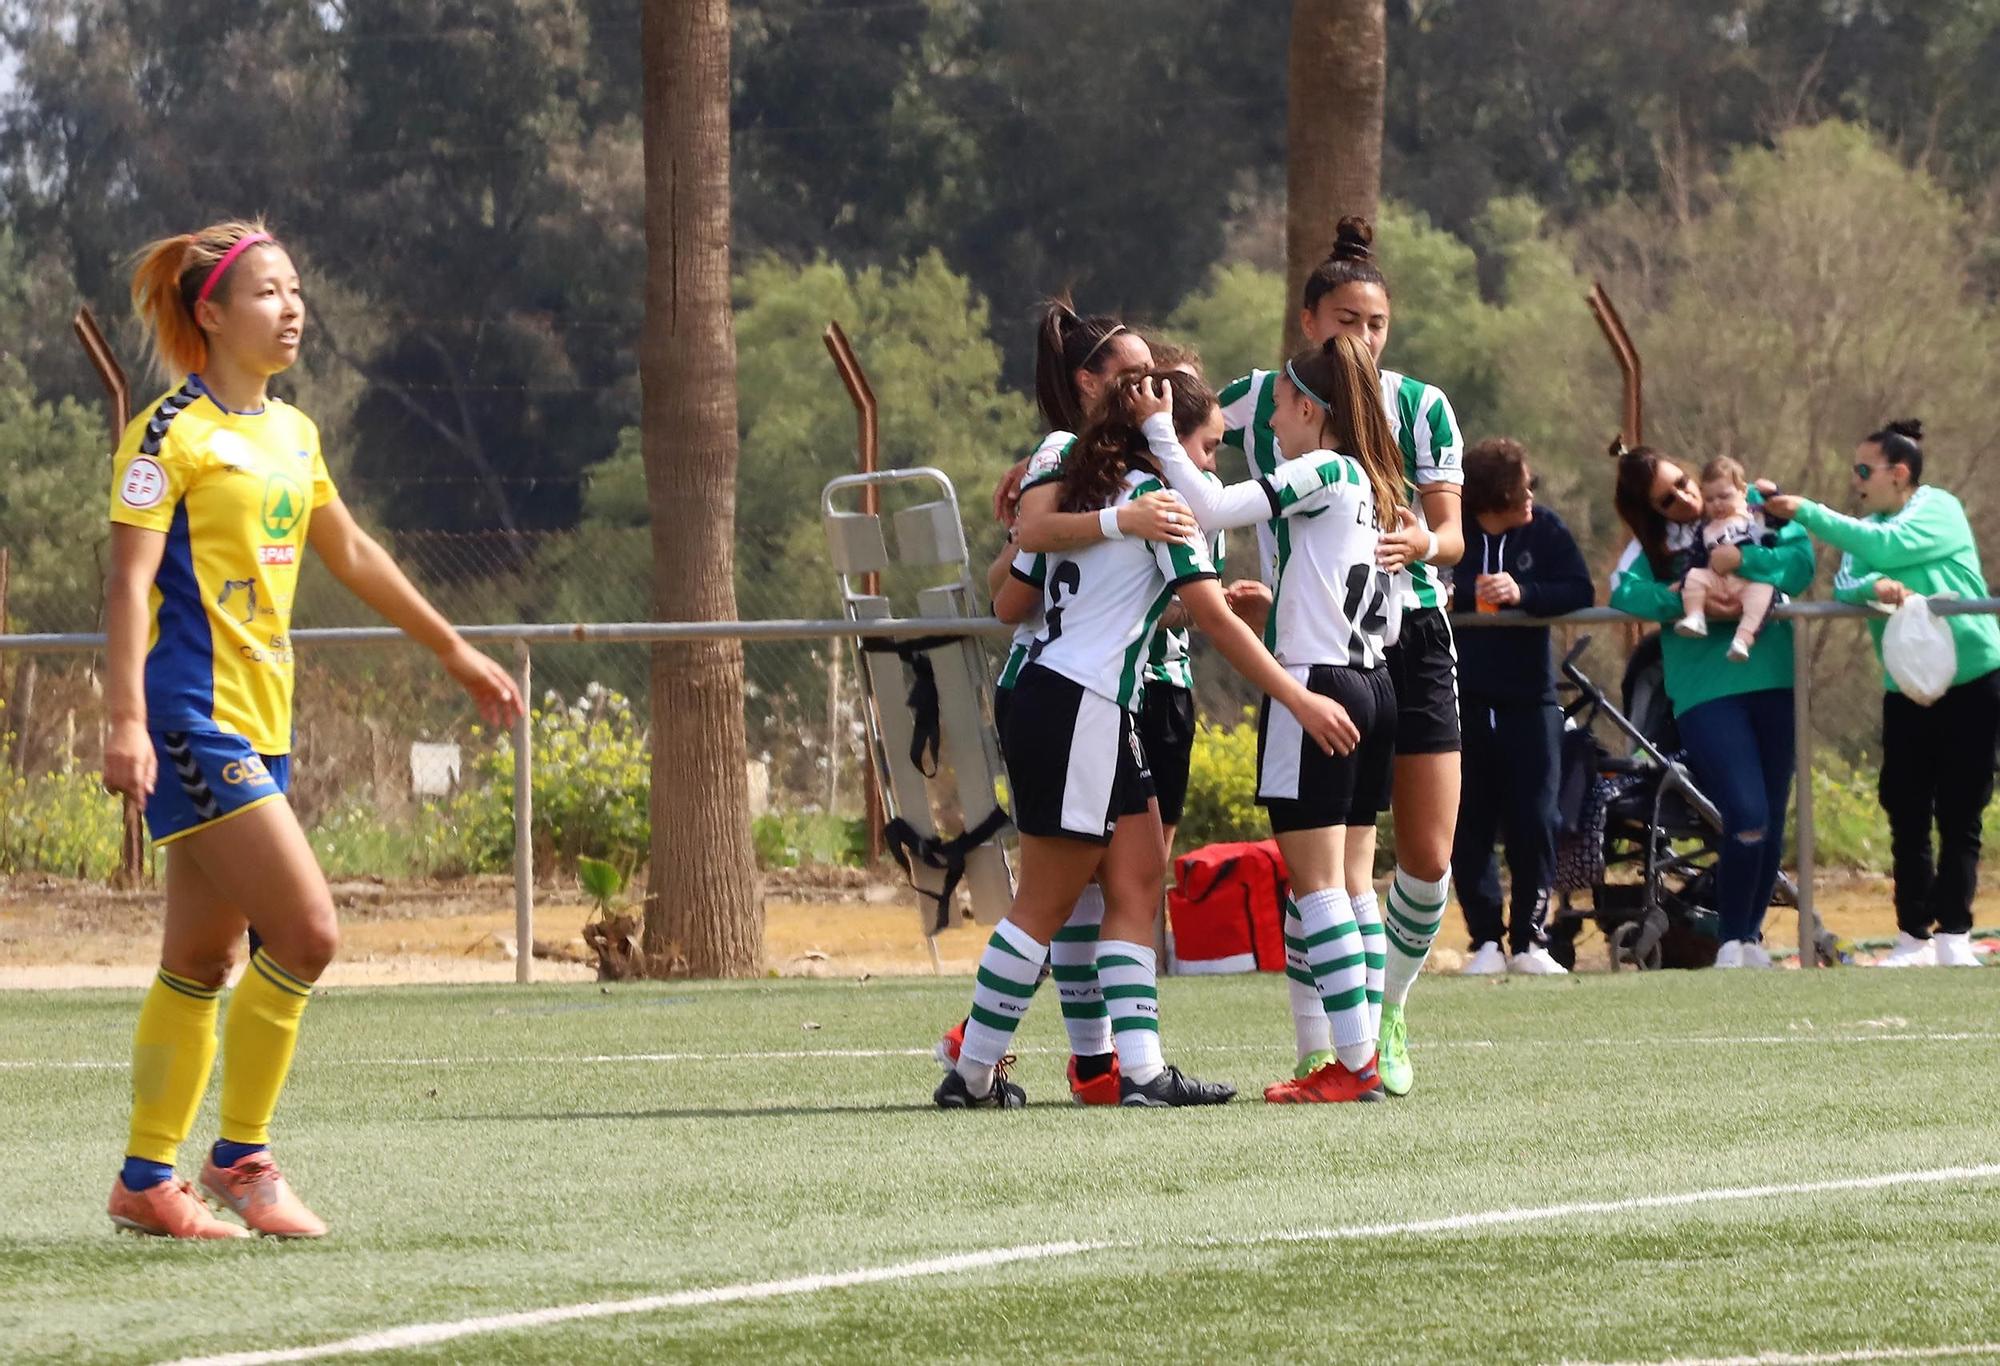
(1740, 750)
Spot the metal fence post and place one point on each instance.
(524, 824)
(1802, 746)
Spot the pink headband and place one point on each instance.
(243, 244)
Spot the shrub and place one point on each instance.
(591, 788)
(1849, 827)
(788, 839)
(1222, 785)
(61, 822)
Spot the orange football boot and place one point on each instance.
(261, 1197)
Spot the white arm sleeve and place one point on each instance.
(1217, 507)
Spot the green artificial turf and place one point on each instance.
(484, 1151)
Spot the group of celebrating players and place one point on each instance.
(1115, 546)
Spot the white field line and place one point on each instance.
(429, 1334)
(1968, 1349)
(815, 1054)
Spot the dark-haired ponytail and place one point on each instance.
(1351, 262)
(1902, 441)
(1064, 344)
(1633, 497)
(1112, 443)
(1353, 240)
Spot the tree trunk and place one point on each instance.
(702, 913)
(1333, 158)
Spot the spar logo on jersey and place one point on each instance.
(144, 485)
(286, 553)
(284, 506)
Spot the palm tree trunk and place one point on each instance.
(702, 914)
(1333, 160)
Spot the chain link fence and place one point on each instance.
(391, 760)
(389, 751)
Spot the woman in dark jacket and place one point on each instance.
(1517, 555)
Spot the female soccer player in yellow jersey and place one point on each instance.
(218, 489)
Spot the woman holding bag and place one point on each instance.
(1937, 760)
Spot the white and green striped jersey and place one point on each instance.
(1102, 604)
(1330, 605)
(1426, 429)
(1044, 463)
(1168, 662)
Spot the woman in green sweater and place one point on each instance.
(1937, 761)
(1735, 717)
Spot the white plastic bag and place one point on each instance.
(1918, 651)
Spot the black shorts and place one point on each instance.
(1074, 761)
(1423, 664)
(1305, 788)
(1166, 733)
(1001, 698)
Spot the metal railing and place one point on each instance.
(524, 637)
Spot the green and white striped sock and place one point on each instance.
(1414, 911)
(1368, 915)
(1310, 1026)
(1073, 963)
(1131, 987)
(1009, 972)
(1333, 947)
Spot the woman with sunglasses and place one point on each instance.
(1937, 761)
(1735, 719)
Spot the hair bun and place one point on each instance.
(1353, 239)
(1617, 450)
(1909, 427)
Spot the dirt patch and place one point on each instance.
(56, 933)
(62, 933)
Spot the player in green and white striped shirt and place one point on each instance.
(1082, 798)
(1166, 715)
(1347, 295)
(1334, 611)
(1076, 361)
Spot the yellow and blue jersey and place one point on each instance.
(234, 494)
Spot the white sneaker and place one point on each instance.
(1487, 961)
(1739, 650)
(1954, 951)
(1754, 955)
(1910, 952)
(1536, 962)
(1730, 955)
(1693, 624)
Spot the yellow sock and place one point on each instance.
(172, 1051)
(257, 1043)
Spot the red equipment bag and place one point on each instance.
(1227, 909)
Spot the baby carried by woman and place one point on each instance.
(1729, 519)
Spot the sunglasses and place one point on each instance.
(1864, 471)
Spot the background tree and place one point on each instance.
(1333, 152)
(702, 912)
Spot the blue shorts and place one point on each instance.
(205, 778)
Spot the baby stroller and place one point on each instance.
(1640, 812)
